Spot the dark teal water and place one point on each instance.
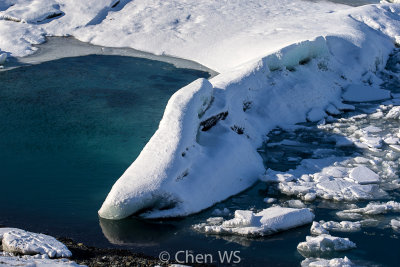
(69, 128)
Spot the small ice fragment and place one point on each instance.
(391, 140)
(309, 197)
(363, 175)
(317, 229)
(295, 203)
(269, 200)
(395, 147)
(361, 160)
(324, 243)
(395, 224)
(336, 262)
(344, 226)
(394, 113)
(375, 208)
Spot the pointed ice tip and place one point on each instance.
(3, 58)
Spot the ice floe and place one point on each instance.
(395, 224)
(323, 227)
(265, 222)
(375, 208)
(324, 243)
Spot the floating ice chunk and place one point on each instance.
(361, 160)
(363, 93)
(363, 175)
(317, 229)
(309, 197)
(374, 208)
(20, 241)
(395, 224)
(391, 140)
(395, 147)
(335, 185)
(335, 171)
(3, 58)
(394, 113)
(348, 215)
(377, 115)
(324, 243)
(269, 200)
(344, 226)
(265, 222)
(336, 262)
(372, 141)
(295, 203)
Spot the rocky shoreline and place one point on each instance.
(113, 257)
(22, 248)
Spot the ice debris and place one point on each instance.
(318, 262)
(324, 244)
(375, 208)
(265, 222)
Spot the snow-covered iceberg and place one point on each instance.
(274, 71)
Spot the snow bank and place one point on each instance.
(265, 222)
(32, 12)
(324, 244)
(20, 241)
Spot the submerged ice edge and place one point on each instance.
(204, 150)
(54, 48)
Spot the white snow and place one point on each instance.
(364, 93)
(20, 241)
(320, 244)
(317, 229)
(336, 262)
(265, 222)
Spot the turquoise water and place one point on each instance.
(69, 128)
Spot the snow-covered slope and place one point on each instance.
(280, 62)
